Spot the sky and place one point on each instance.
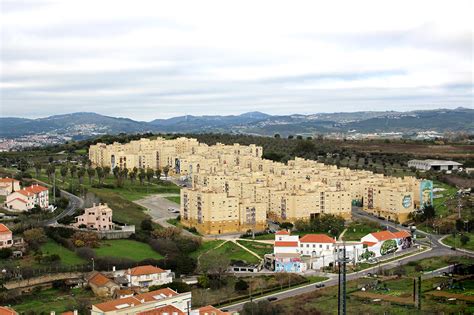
(159, 59)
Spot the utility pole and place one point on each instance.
(341, 296)
(54, 186)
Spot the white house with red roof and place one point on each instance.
(8, 185)
(6, 236)
(27, 198)
(148, 275)
(385, 242)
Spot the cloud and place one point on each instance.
(154, 59)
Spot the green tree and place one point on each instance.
(73, 170)
(63, 172)
(80, 174)
(149, 175)
(132, 175)
(158, 173)
(38, 167)
(106, 171)
(50, 170)
(241, 285)
(214, 264)
(100, 174)
(141, 176)
(90, 174)
(464, 239)
(166, 170)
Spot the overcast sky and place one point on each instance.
(158, 59)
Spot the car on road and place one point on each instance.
(319, 285)
(272, 298)
(175, 211)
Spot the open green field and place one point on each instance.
(175, 199)
(68, 257)
(440, 204)
(45, 301)
(358, 229)
(259, 248)
(205, 246)
(451, 241)
(129, 249)
(234, 252)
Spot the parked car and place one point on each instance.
(319, 285)
(272, 298)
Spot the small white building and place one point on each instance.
(6, 237)
(148, 275)
(434, 165)
(27, 198)
(384, 242)
(8, 185)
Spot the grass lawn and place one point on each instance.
(68, 257)
(358, 229)
(54, 300)
(205, 246)
(259, 248)
(175, 199)
(234, 252)
(433, 263)
(439, 204)
(451, 241)
(129, 249)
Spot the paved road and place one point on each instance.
(157, 207)
(75, 203)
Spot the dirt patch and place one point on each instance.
(385, 297)
(449, 295)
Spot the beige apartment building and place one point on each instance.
(234, 189)
(98, 217)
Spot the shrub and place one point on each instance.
(178, 286)
(241, 285)
(5, 253)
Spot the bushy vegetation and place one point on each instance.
(325, 223)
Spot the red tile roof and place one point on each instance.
(383, 235)
(402, 234)
(156, 295)
(317, 238)
(369, 243)
(34, 189)
(286, 244)
(168, 310)
(282, 232)
(144, 270)
(7, 180)
(211, 310)
(7, 311)
(121, 303)
(99, 279)
(4, 228)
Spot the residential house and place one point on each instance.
(8, 185)
(144, 302)
(148, 275)
(6, 236)
(98, 217)
(28, 197)
(102, 286)
(385, 242)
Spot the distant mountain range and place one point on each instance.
(80, 125)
